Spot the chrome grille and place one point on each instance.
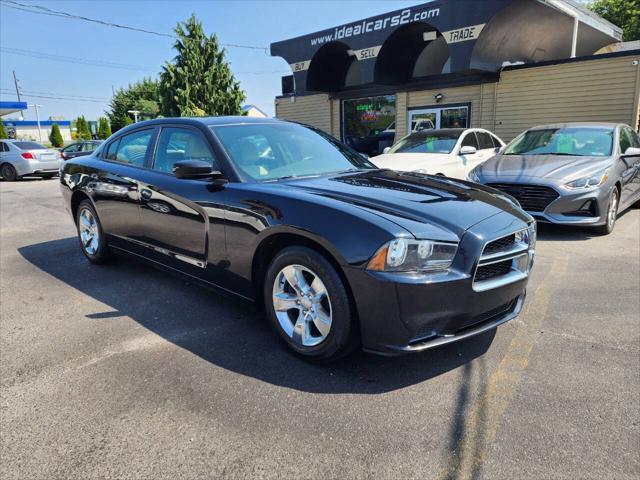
(532, 198)
(505, 260)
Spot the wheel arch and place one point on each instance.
(269, 247)
(77, 197)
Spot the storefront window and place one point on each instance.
(454, 117)
(368, 124)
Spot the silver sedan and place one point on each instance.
(21, 157)
(570, 174)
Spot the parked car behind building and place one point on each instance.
(19, 158)
(571, 174)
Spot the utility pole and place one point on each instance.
(36, 106)
(15, 81)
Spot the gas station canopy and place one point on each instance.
(7, 108)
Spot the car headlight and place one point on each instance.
(407, 255)
(474, 176)
(592, 181)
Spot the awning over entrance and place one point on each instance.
(441, 37)
(11, 107)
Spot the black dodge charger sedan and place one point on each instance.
(340, 253)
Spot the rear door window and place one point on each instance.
(132, 148)
(485, 141)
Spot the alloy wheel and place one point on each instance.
(302, 305)
(89, 232)
(612, 213)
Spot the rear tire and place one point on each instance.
(90, 234)
(612, 213)
(309, 305)
(8, 172)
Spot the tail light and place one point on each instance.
(28, 156)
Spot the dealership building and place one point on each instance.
(503, 65)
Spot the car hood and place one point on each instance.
(553, 167)
(410, 162)
(422, 204)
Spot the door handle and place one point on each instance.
(146, 194)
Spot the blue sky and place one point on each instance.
(241, 22)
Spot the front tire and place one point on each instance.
(8, 172)
(90, 234)
(612, 213)
(308, 304)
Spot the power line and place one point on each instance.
(40, 10)
(75, 60)
(57, 94)
(5, 91)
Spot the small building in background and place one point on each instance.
(253, 111)
(28, 129)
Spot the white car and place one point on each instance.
(22, 157)
(452, 152)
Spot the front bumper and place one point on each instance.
(402, 314)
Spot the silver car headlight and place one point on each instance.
(408, 255)
(592, 181)
(474, 176)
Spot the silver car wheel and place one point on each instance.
(89, 232)
(302, 305)
(612, 213)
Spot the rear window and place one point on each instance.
(29, 146)
(422, 142)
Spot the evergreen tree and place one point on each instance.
(198, 81)
(141, 96)
(3, 131)
(55, 137)
(104, 129)
(82, 129)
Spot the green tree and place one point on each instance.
(623, 13)
(141, 96)
(198, 81)
(3, 131)
(82, 129)
(104, 129)
(55, 137)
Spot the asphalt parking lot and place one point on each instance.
(122, 371)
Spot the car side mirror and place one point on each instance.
(194, 169)
(632, 152)
(468, 150)
(386, 150)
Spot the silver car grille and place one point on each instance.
(505, 260)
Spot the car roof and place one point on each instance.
(578, 124)
(209, 121)
(445, 131)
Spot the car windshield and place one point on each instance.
(574, 141)
(427, 143)
(271, 151)
(29, 146)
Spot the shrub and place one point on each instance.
(55, 137)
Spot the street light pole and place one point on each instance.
(36, 106)
(15, 81)
(135, 114)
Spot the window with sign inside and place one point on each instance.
(368, 124)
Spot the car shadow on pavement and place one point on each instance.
(564, 233)
(228, 333)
